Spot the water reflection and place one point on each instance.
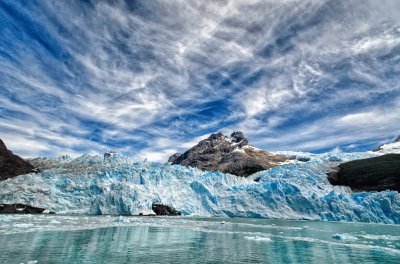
(144, 244)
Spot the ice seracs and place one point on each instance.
(117, 185)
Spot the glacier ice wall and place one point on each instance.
(117, 185)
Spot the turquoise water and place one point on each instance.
(104, 239)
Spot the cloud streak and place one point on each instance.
(148, 77)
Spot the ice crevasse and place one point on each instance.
(117, 185)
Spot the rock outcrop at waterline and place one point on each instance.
(162, 209)
(12, 165)
(232, 155)
(19, 209)
(373, 174)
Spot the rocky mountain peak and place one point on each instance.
(397, 139)
(174, 157)
(3, 148)
(217, 136)
(12, 165)
(232, 155)
(239, 138)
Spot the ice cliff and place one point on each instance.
(117, 185)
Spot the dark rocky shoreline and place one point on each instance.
(162, 209)
(20, 209)
(373, 174)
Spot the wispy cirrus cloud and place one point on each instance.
(149, 77)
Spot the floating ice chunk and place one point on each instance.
(258, 238)
(381, 237)
(23, 225)
(122, 219)
(345, 237)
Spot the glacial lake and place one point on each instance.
(117, 239)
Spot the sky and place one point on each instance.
(151, 78)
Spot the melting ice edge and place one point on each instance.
(117, 185)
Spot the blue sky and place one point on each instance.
(150, 78)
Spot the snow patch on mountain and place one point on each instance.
(390, 148)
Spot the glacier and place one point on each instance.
(117, 185)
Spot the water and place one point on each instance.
(105, 239)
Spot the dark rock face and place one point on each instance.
(238, 137)
(173, 158)
(12, 165)
(373, 174)
(303, 159)
(19, 209)
(162, 209)
(397, 139)
(232, 155)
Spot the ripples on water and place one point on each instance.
(105, 239)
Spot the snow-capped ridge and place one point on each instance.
(390, 148)
(230, 154)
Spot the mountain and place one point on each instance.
(174, 157)
(393, 147)
(373, 174)
(12, 165)
(232, 155)
(378, 173)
